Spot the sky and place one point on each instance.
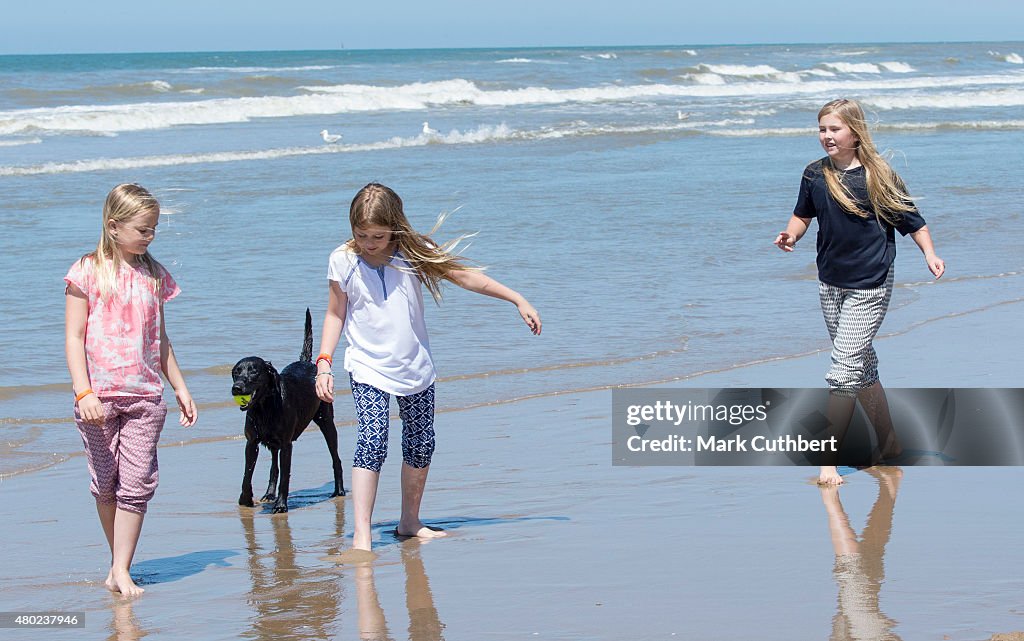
(100, 26)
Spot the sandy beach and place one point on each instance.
(548, 540)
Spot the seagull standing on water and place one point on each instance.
(330, 138)
(428, 130)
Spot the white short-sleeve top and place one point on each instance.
(384, 326)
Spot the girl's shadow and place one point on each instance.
(388, 530)
(174, 568)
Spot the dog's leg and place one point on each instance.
(325, 421)
(271, 494)
(281, 505)
(252, 451)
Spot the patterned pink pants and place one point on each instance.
(122, 451)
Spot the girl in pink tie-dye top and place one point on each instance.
(117, 348)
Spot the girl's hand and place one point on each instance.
(325, 386)
(785, 241)
(936, 265)
(530, 316)
(187, 406)
(90, 408)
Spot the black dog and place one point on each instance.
(279, 409)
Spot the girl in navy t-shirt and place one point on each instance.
(859, 203)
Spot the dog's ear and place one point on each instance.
(274, 376)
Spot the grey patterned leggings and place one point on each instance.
(853, 317)
(417, 412)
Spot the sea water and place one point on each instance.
(632, 194)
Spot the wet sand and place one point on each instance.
(549, 541)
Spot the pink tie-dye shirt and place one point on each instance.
(122, 333)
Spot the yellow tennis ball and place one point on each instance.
(243, 399)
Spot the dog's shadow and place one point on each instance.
(303, 498)
(174, 568)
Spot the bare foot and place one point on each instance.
(123, 581)
(829, 475)
(109, 582)
(419, 530)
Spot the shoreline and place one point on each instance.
(953, 330)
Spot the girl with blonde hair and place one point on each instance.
(859, 203)
(117, 348)
(375, 297)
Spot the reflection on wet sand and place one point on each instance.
(859, 568)
(424, 622)
(289, 602)
(124, 626)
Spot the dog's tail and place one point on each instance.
(307, 343)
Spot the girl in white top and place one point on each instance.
(375, 296)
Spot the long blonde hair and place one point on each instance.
(886, 191)
(124, 202)
(380, 206)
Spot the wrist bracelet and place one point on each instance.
(83, 394)
(324, 357)
(325, 373)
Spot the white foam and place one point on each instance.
(160, 86)
(479, 135)
(756, 112)
(852, 67)
(22, 141)
(690, 52)
(608, 56)
(740, 70)
(960, 124)
(993, 125)
(751, 71)
(725, 122)
(514, 60)
(957, 100)
(819, 72)
(776, 131)
(897, 67)
(1012, 58)
(704, 78)
(338, 99)
(789, 76)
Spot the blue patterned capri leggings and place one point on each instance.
(853, 317)
(417, 412)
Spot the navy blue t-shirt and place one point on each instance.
(853, 252)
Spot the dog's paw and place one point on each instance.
(268, 498)
(340, 492)
(246, 501)
(278, 509)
